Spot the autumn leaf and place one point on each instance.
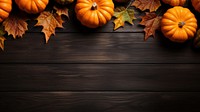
(197, 39)
(2, 38)
(62, 11)
(16, 25)
(49, 22)
(151, 22)
(152, 5)
(123, 15)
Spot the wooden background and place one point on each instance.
(98, 70)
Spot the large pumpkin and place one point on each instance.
(5, 9)
(94, 13)
(175, 2)
(196, 5)
(32, 6)
(178, 24)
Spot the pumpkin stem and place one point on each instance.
(94, 6)
(181, 24)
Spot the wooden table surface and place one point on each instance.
(98, 70)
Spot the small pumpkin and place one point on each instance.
(32, 6)
(179, 24)
(94, 13)
(196, 5)
(64, 2)
(175, 2)
(5, 9)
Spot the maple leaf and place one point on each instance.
(62, 11)
(197, 39)
(49, 22)
(16, 25)
(2, 38)
(152, 23)
(123, 15)
(152, 5)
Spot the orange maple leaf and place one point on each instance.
(16, 25)
(152, 5)
(49, 22)
(152, 23)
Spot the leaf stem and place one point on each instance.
(129, 4)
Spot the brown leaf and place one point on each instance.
(62, 11)
(15, 25)
(152, 23)
(123, 15)
(2, 39)
(152, 5)
(49, 22)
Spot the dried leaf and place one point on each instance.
(16, 25)
(49, 22)
(152, 5)
(2, 39)
(197, 39)
(123, 15)
(152, 23)
(62, 11)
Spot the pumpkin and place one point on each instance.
(175, 2)
(179, 24)
(94, 13)
(196, 5)
(32, 6)
(5, 9)
(64, 2)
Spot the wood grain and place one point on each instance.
(97, 48)
(100, 77)
(99, 102)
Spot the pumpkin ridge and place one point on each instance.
(40, 4)
(5, 7)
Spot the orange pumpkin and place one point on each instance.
(5, 9)
(175, 2)
(179, 24)
(196, 5)
(32, 6)
(94, 13)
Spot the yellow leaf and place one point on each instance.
(123, 15)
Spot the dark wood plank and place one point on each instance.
(111, 77)
(99, 102)
(97, 48)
